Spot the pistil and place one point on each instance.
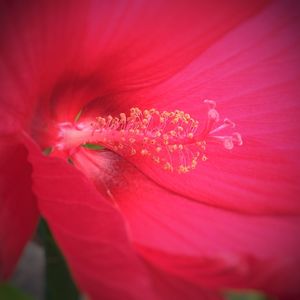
(169, 139)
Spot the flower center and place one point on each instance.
(170, 139)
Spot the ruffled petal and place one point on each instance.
(18, 208)
(253, 75)
(89, 230)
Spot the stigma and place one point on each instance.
(171, 140)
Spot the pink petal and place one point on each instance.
(18, 211)
(59, 56)
(175, 288)
(119, 182)
(89, 230)
(253, 75)
(242, 274)
(208, 246)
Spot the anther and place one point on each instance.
(168, 166)
(170, 139)
(144, 152)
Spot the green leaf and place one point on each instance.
(245, 295)
(77, 117)
(92, 146)
(7, 292)
(59, 283)
(47, 151)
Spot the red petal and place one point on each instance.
(64, 55)
(18, 211)
(120, 181)
(208, 246)
(175, 288)
(243, 273)
(253, 75)
(89, 230)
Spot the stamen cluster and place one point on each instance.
(165, 137)
(170, 139)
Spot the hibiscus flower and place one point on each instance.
(169, 204)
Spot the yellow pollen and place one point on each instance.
(179, 125)
(194, 163)
(183, 169)
(156, 159)
(123, 116)
(144, 152)
(175, 120)
(168, 167)
(170, 139)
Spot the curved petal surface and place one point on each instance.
(89, 230)
(209, 246)
(253, 75)
(59, 56)
(18, 207)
